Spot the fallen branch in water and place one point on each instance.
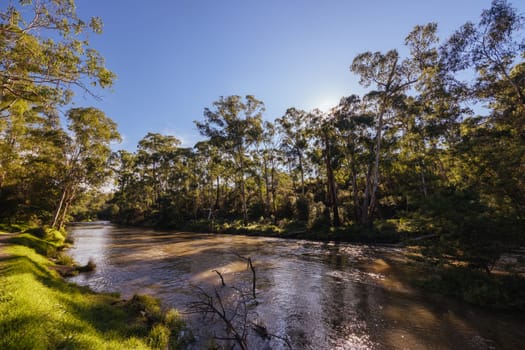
(233, 307)
(220, 275)
(234, 319)
(254, 277)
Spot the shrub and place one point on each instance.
(173, 320)
(64, 259)
(159, 337)
(54, 235)
(148, 305)
(302, 206)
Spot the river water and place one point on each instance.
(316, 295)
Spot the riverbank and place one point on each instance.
(40, 310)
(377, 233)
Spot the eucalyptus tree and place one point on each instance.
(270, 158)
(214, 176)
(353, 125)
(128, 198)
(328, 156)
(45, 52)
(294, 136)
(44, 55)
(392, 78)
(491, 47)
(492, 146)
(233, 126)
(87, 152)
(156, 157)
(31, 158)
(427, 119)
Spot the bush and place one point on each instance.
(303, 208)
(54, 235)
(173, 320)
(64, 259)
(148, 305)
(48, 234)
(159, 337)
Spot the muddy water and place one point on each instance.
(317, 295)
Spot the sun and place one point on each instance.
(327, 103)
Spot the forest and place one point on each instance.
(435, 147)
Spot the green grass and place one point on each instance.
(40, 246)
(39, 310)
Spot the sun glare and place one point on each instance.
(326, 103)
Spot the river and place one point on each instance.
(316, 295)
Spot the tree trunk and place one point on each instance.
(243, 199)
(294, 185)
(218, 194)
(332, 190)
(301, 169)
(363, 217)
(274, 190)
(243, 193)
(355, 196)
(423, 182)
(59, 208)
(375, 175)
(62, 219)
(267, 208)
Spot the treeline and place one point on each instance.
(436, 146)
(425, 150)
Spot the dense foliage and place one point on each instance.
(436, 146)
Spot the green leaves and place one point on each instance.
(35, 67)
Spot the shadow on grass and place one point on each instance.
(13, 264)
(40, 246)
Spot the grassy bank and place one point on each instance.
(39, 310)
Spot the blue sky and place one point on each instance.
(173, 58)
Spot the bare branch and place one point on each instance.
(220, 275)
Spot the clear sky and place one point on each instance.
(173, 58)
